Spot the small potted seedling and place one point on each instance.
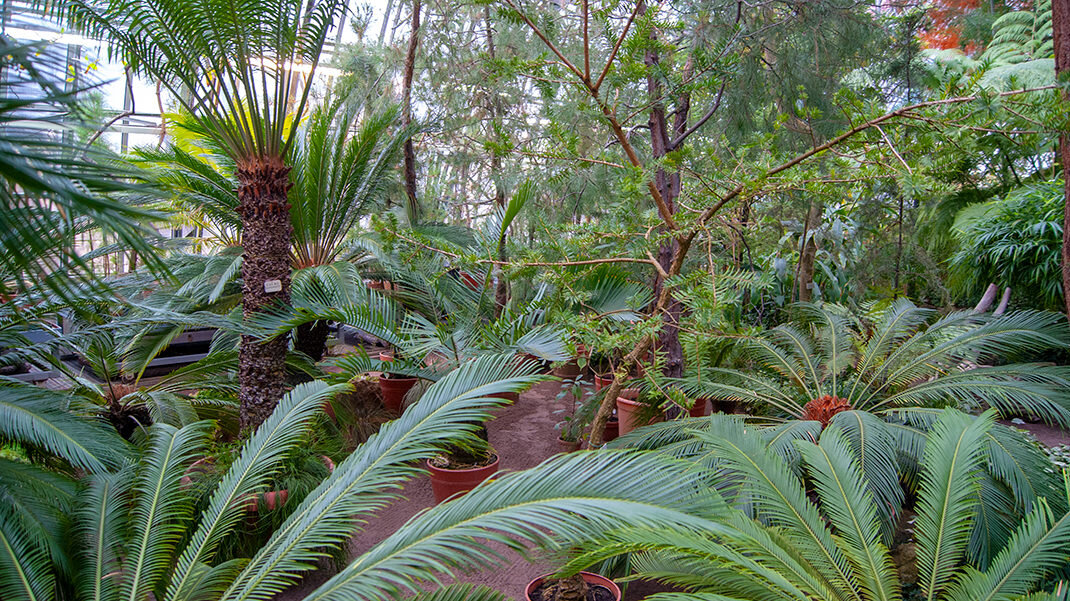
(576, 414)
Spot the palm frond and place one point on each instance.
(1037, 548)
(162, 508)
(874, 444)
(100, 524)
(370, 477)
(947, 496)
(36, 416)
(260, 455)
(845, 498)
(581, 494)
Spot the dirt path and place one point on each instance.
(524, 436)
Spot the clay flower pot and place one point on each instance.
(567, 446)
(628, 411)
(394, 391)
(277, 498)
(700, 408)
(601, 381)
(588, 577)
(612, 429)
(447, 483)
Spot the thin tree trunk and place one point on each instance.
(808, 253)
(266, 232)
(1061, 32)
(501, 287)
(406, 114)
(669, 186)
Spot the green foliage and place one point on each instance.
(1014, 241)
(770, 539)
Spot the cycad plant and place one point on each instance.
(815, 532)
(138, 537)
(829, 360)
(243, 72)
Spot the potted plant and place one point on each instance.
(635, 410)
(584, 586)
(579, 413)
(572, 368)
(461, 468)
(394, 386)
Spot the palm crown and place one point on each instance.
(827, 361)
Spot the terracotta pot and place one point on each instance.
(568, 446)
(394, 390)
(376, 284)
(198, 468)
(612, 429)
(700, 408)
(469, 280)
(628, 414)
(588, 577)
(447, 483)
(277, 498)
(601, 381)
(386, 356)
(629, 393)
(568, 371)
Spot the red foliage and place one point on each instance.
(822, 409)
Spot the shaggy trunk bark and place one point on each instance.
(266, 232)
(312, 339)
(669, 186)
(1060, 24)
(807, 253)
(406, 115)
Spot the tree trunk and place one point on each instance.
(312, 339)
(669, 186)
(266, 232)
(808, 252)
(501, 287)
(1060, 24)
(406, 113)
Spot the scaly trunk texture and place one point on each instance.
(406, 108)
(312, 339)
(266, 232)
(1060, 24)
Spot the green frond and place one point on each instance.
(461, 592)
(779, 497)
(162, 508)
(874, 444)
(846, 500)
(100, 524)
(1037, 548)
(995, 522)
(582, 494)
(259, 457)
(947, 496)
(25, 569)
(37, 417)
(371, 476)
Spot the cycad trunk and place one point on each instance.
(266, 232)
